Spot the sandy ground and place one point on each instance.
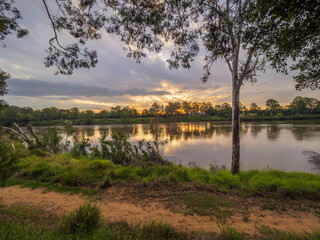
(115, 207)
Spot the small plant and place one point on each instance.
(85, 219)
(69, 130)
(214, 168)
(161, 231)
(120, 151)
(229, 233)
(80, 147)
(51, 141)
(8, 156)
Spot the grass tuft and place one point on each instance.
(85, 219)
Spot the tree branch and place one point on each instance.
(246, 66)
(53, 27)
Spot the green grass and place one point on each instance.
(271, 234)
(20, 222)
(63, 173)
(203, 204)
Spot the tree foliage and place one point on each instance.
(283, 30)
(3, 88)
(8, 157)
(272, 105)
(9, 16)
(82, 21)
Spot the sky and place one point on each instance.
(117, 79)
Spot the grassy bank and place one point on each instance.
(86, 172)
(174, 119)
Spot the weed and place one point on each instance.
(161, 231)
(85, 219)
(229, 233)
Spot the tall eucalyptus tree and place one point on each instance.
(216, 27)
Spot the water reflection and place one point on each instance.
(275, 144)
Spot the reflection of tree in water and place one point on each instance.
(106, 131)
(89, 132)
(188, 131)
(145, 129)
(256, 129)
(301, 133)
(223, 130)
(273, 132)
(135, 130)
(244, 129)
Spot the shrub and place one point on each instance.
(8, 156)
(51, 141)
(85, 219)
(80, 147)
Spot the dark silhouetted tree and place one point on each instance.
(284, 30)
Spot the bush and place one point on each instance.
(8, 156)
(85, 219)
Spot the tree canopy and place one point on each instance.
(287, 31)
(3, 87)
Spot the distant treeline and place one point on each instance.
(272, 109)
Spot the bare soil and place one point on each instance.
(119, 203)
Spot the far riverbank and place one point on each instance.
(169, 119)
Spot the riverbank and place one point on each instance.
(90, 173)
(162, 200)
(170, 119)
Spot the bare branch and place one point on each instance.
(53, 27)
(246, 67)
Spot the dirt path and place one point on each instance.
(115, 207)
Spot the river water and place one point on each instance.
(274, 144)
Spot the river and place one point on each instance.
(274, 144)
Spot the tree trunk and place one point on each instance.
(235, 164)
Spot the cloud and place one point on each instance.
(36, 88)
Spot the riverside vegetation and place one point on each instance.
(299, 108)
(51, 162)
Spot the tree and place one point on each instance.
(155, 109)
(254, 108)
(272, 105)
(89, 115)
(75, 113)
(186, 107)
(216, 26)
(298, 105)
(284, 29)
(312, 105)
(9, 17)
(172, 108)
(224, 110)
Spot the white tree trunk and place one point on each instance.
(235, 164)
